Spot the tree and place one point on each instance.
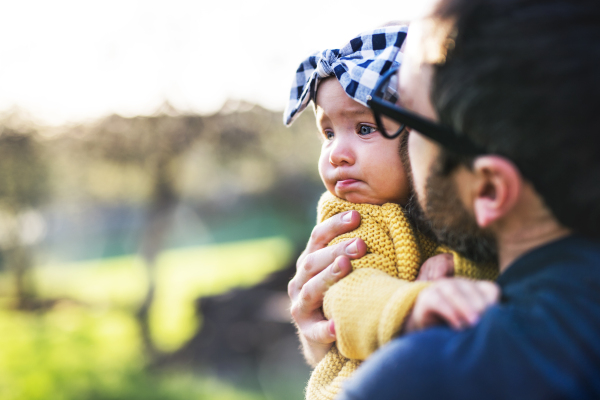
(153, 144)
(23, 188)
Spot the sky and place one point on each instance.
(70, 61)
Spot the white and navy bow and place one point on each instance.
(357, 66)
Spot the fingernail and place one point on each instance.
(347, 216)
(332, 328)
(352, 249)
(336, 269)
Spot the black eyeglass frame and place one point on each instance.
(444, 135)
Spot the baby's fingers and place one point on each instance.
(479, 296)
(444, 312)
(433, 307)
(470, 299)
(459, 310)
(490, 292)
(457, 302)
(437, 267)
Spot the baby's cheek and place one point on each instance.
(402, 187)
(392, 183)
(323, 163)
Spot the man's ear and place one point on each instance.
(497, 189)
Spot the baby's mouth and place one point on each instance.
(346, 183)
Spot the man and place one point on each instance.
(518, 81)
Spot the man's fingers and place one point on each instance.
(314, 263)
(317, 256)
(306, 310)
(331, 228)
(306, 306)
(320, 332)
(311, 295)
(313, 278)
(332, 327)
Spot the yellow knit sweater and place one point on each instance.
(370, 304)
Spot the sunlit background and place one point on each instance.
(152, 204)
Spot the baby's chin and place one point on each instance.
(361, 198)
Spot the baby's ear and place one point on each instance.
(498, 185)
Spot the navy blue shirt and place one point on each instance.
(541, 342)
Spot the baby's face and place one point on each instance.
(357, 164)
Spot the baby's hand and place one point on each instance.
(457, 302)
(437, 267)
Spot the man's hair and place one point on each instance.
(522, 79)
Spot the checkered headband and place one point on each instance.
(357, 66)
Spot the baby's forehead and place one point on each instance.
(331, 99)
(338, 114)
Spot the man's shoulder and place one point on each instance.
(539, 342)
(515, 351)
(566, 269)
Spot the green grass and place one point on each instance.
(71, 353)
(182, 275)
(88, 345)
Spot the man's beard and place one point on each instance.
(445, 219)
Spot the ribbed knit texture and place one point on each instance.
(369, 305)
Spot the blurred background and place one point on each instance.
(152, 204)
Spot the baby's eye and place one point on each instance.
(366, 130)
(328, 135)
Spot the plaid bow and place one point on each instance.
(357, 66)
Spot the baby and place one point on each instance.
(363, 171)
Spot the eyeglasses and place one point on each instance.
(392, 120)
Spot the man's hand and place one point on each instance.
(437, 267)
(457, 302)
(317, 269)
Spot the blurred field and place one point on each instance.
(182, 275)
(74, 353)
(87, 346)
(131, 251)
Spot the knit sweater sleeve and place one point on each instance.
(369, 308)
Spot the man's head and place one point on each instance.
(520, 79)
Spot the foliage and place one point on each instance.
(73, 353)
(23, 176)
(236, 151)
(183, 276)
(238, 171)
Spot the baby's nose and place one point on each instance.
(342, 153)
